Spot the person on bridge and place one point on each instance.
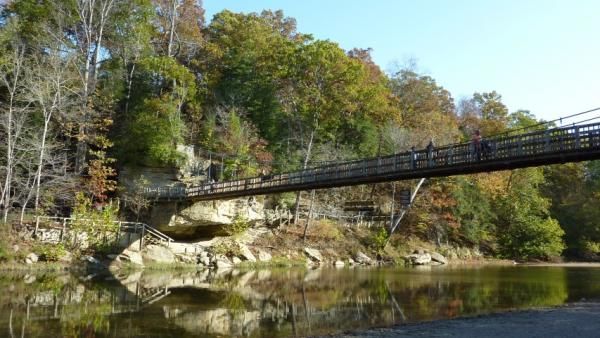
(476, 140)
(430, 147)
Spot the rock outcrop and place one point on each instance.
(313, 254)
(204, 218)
(158, 254)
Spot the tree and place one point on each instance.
(484, 111)
(525, 228)
(155, 125)
(427, 109)
(14, 112)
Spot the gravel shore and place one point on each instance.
(579, 320)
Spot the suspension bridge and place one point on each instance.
(577, 142)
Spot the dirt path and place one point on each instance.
(580, 320)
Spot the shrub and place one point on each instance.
(226, 248)
(50, 252)
(532, 238)
(98, 224)
(239, 225)
(379, 239)
(325, 229)
(3, 252)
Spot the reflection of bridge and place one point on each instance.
(558, 145)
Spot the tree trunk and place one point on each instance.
(309, 218)
(11, 133)
(38, 176)
(172, 28)
(306, 158)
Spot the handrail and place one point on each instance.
(144, 228)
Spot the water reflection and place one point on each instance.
(273, 303)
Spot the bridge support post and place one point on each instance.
(577, 138)
(142, 237)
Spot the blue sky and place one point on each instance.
(541, 55)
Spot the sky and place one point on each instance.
(540, 55)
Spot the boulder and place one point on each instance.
(236, 260)
(132, 257)
(419, 259)
(31, 258)
(351, 261)
(204, 260)
(28, 279)
(245, 253)
(339, 264)
(158, 254)
(264, 256)
(185, 258)
(361, 258)
(90, 259)
(222, 262)
(313, 254)
(436, 257)
(66, 258)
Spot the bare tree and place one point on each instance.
(48, 89)
(93, 18)
(14, 112)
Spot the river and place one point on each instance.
(276, 302)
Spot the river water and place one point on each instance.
(274, 303)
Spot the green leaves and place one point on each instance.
(526, 230)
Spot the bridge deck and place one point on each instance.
(558, 145)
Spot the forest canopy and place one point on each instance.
(88, 87)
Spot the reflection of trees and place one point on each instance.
(270, 302)
(56, 305)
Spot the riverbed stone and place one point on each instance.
(31, 258)
(222, 262)
(28, 279)
(436, 257)
(361, 258)
(313, 254)
(245, 253)
(264, 256)
(158, 254)
(187, 259)
(339, 264)
(204, 260)
(132, 257)
(419, 259)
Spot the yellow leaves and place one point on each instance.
(494, 183)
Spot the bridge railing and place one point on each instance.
(541, 142)
(65, 224)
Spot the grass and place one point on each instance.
(39, 266)
(276, 262)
